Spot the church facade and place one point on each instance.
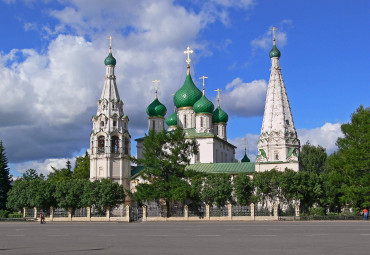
(110, 140)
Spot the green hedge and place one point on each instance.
(15, 215)
(4, 213)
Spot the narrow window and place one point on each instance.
(126, 145)
(153, 124)
(92, 147)
(201, 121)
(197, 157)
(287, 122)
(101, 141)
(114, 123)
(101, 123)
(276, 156)
(184, 121)
(114, 145)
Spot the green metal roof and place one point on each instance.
(219, 116)
(110, 60)
(136, 170)
(192, 133)
(172, 119)
(227, 168)
(156, 109)
(203, 105)
(188, 94)
(245, 158)
(274, 52)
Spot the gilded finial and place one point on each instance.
(188, 52)
(156, 87)
(273, 33)
(245, 144)
(203, 77)
(218, 96)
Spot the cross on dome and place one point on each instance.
(245, 144)
(218, 96)
(273, 33)
(156, 87)
(110, 43)
(188, 52)
(203, 77)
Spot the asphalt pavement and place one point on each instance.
(317, 237)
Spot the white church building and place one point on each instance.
(110, 140)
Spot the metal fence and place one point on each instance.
(263, 211)
(79, 212)
(60, 212)
(195, 210)
(153, 209)
(287, 211)
(241, 210)
(45, 212)
(176, 210)
(30, 212)
(218, 211)
(118, 211)
(98, 212)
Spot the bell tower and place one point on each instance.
(110, 140)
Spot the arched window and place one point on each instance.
(101, 144)
(92, 147)
(201, 121)
(185, 121)
(126, 145)
(276, 155)
(114, 147)
(101, 123)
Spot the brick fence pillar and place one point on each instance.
(144, 213)
(128, 213)
(229, 212)
(88, 213)
(51, 213)
(70, 214)
(186, 212)
(276, 212)
(297, 210)
(252, 212)
(35, 212)
(207, 213)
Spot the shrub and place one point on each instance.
(15, 215)
(4, 213)
(317, 211)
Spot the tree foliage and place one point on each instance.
(82, 167)
(4, 177)
(60, 175)
(31, 174)
(243, 188)
(217, 189)
(313, 158)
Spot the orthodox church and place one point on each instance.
(110, 140)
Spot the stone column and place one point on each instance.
(186, 212)
(51, 213)
(207, 212)
(144, 213)
(229, 212)
(88, 213)
(70, 214)
(35, 212)
(107, 213)
(24, 212)
(297, 210)
(276, 212)
(128, 213)
(252, 212)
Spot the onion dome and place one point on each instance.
(274, 52)
(188, 94)
(110, 60)
(203, 105)
(172, 119)
(156, 109)
(245, 158)
(219, 116)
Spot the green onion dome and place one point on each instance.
(219, 116)
(156, 109)
(172, 119)
(203, 105)
(188, 94)
(274, 52)
(245, 158)
(110, 60)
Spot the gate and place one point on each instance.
(136, 213)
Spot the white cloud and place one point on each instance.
(44, 166)
(251, 146)
(326, 136)
(244, 99)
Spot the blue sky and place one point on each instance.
(52, 71)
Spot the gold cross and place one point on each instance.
(203, 77)
(156, 87)
(188, 52)
(218, 96)
(245, 144)
(110, 43)
(273, 31)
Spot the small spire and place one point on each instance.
(218, 96)
(245, 145)
(203, 77)
(273, 34)
(156, 87)
(188, 52)
(110, 43)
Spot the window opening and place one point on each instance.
(114, 145)
(101, 143)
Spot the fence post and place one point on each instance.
(252, 212)
(107, 213)
(128, 213)
(24, 212)
(186, 212)
(70, 213)
(297, 210)
(207, 212)
(51, 213)
(88, 213)
(276, 211)
(35, 212)
(229, 212)
(144, 212)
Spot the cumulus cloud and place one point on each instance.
(326, 136)
(44, 166)
(245, 99)
(252, 140)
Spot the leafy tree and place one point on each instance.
(42, 193)
(19, 196)
(313, 158)
(59, 175)
(165, 156)
(82, 167)
(4, 177)
(31, 174)
(352, 160)
(243, 189)
(69, 193)
(217, 189)
(267, 186)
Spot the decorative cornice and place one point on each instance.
(185, 108)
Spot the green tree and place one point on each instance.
(59, 175)
(69, 193)
(31, 174)
(352, 160)
(217, 189)
(165, 156)
(267, 186)
(243, 189)
(82, 167)
(313, 158)
(41, 193)
(19, 196)
(4, 177)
